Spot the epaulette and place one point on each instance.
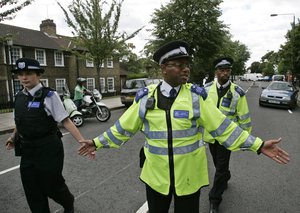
(48, 91)
(141, 93)
(239, 90)
(199, 91)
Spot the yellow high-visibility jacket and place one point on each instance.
(233, 105)
(180, 142)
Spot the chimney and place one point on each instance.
(49, 27)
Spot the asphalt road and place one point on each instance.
(111, 184)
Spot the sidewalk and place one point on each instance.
(7, 123)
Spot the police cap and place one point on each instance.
(25, 64)
(224, 62)
(170, 51)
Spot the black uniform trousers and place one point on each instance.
(159, 203)
(221, 157)
(41, 173)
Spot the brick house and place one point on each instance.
(61, 66)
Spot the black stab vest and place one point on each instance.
(32, 122)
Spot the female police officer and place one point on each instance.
(37, 111)
(170, 115)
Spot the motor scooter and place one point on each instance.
(75, 116)
(93, 106)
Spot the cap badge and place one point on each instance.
(21, 65)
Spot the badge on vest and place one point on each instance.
(226, 102)
(181, 114)
(34, 104)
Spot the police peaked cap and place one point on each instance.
(224, 62)
(26, 64)
(170, 51)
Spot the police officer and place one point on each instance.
(37, 111)
(79, 91)
(231, 100)
(170, 115)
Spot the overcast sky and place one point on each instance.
(249, 21)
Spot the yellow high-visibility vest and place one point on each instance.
(190, 112)
(233, 105)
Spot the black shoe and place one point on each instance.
(213, 208)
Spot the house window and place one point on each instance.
(58, 59)
(110, 84)
(89, 63)
(110, 63)
(4, 55)
(44, 82)
(102, 85)
(40, 56)
(59, 84)
(15, 54)
(17, 86)
(90, 83)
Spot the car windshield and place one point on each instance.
(134, 84)
(152, 81)
(280, 86)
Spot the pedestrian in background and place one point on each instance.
(231, 101)
(170, 115)
(37, 139)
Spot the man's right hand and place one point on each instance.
(87, 148)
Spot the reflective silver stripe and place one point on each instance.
(248, 143)
(142, 109)
(233, 136)
(113, 138)
(226, 113)
(175, 133)
(176, 150)
(103, 141)
(121, 130)
(221, 128)
(196, 109)
(234, 101)
(246, 126)
(244, 117)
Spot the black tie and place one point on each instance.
(172, 93)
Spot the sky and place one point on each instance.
(249, 21)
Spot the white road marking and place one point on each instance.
(290, 111)
(143, 209)
(10, 169)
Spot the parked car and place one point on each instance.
(279, 94)
(278, 78)
(131, 86)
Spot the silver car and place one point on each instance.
(279, 94)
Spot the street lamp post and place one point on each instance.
(293, 39)
(9, 74)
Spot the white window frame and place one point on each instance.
(90, 83)
(4, 54)
(102, 85)
(89, 63)
(13, 55)
(110, 63)
(111, 89)
(43, 61)
(58, 89)
(44, 81)
(56, 59)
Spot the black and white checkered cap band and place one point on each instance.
(175, 52)
(222, 63)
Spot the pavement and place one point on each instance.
(7, 123)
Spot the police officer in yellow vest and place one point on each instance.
(231, 100)
(171, 115)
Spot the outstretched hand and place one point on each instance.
(87, 148)
(274, 152)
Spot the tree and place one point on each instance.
(255, 67)
(11, 7)
(194, 21)
(96, 31)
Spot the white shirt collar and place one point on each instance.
(165, 88)
(224, 85)
(33, 90)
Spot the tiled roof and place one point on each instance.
(29, 37)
